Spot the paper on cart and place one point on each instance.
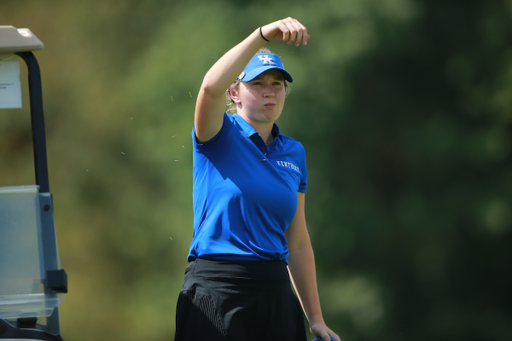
(10, 84)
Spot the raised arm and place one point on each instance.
(210, 104)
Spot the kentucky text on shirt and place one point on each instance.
(288, 165)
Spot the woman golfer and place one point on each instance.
(250, 232)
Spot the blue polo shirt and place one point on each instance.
(245, 194)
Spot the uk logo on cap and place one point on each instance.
(260, 63)
(266, 59)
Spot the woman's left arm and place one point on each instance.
(301, 264)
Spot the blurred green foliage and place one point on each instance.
(404, 107)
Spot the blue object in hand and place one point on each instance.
(320, 339)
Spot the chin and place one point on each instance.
(272, 118)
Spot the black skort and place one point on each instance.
(242, 301)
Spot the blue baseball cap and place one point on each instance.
(260, 63)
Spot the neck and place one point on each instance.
(263, 128)
(267, 136)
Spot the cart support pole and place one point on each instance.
(36, 111)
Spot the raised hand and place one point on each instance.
(289, 30)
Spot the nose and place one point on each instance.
(268, 92)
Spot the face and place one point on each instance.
(262, 99)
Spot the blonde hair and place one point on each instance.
(230, 105)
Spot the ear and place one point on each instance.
(233, 93)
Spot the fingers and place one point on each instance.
(291, 31)
(321, 330)
(294, 32)
(334, 336)
(331, 337)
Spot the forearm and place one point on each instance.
(225, 71)
(301, 264)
